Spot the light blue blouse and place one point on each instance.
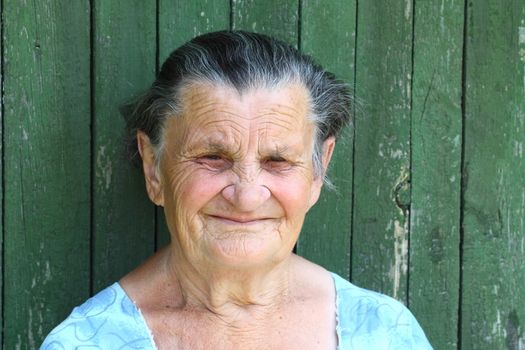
(369, 320)
(365, 320)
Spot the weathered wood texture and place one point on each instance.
(124, 46)
(382, 146)
(1, 176)
(493, 299)
(47, 165)
(328, 34)
(436, 135)
(179, 21)
(430, 204)
(279, 18)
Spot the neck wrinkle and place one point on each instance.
(228, 293)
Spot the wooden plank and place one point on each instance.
(278, 18)
(179, 21)
(2, 174)
(182, 20)
(47, 165)
(382, 146)
(493, 297)
(436, 169)
(124, 218)
(328, 34)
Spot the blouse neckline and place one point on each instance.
(136, 310)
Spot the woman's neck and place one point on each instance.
(228, 291)
(234, 308)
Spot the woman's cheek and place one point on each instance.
(201, 186)
(292, 194)
(185, 188)
(291, 185)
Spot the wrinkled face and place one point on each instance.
(236, 175)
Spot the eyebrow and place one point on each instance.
(279, 149)
(220, 146)
(211, 146)
(216, 146)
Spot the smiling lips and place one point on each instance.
(232, 220)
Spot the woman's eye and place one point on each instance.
(212, 157)
(277, 164)
(214, 162)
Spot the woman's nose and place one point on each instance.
(246, 196)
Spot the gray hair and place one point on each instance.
(241, 60)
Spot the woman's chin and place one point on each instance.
(246, 251)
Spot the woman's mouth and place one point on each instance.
(239, 220)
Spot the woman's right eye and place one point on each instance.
(214, 161)
(212, 157)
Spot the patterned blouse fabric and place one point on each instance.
(369, 320)
(365, 320)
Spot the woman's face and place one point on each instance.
(236, 175)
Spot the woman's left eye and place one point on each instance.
(277, 164)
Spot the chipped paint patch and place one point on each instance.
(495, 289)
(30, 336)
(457, 141)
(381, 154)
(399, 269)
(522, 35)
(401, 189)
(497, 327)
(521, 38)
(408, 9)
(47, 273)
(18, 345)
(396, 154)
(518, 149)
(104, 167)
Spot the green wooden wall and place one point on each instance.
(430, 206)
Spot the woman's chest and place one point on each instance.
(303, 330)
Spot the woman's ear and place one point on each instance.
(149, 165)
(327, 151)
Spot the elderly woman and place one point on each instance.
(234, 138)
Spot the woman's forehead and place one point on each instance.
(218, 115)
(283, 104)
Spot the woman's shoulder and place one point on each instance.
(367, 319)
(107, 320)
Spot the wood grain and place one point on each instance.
(382, 146)
(493, 299)
(2, 174)
(180, 21)
(278, 18)
(124, 65)
(47, 166)
(328, 34)
(436, 139)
